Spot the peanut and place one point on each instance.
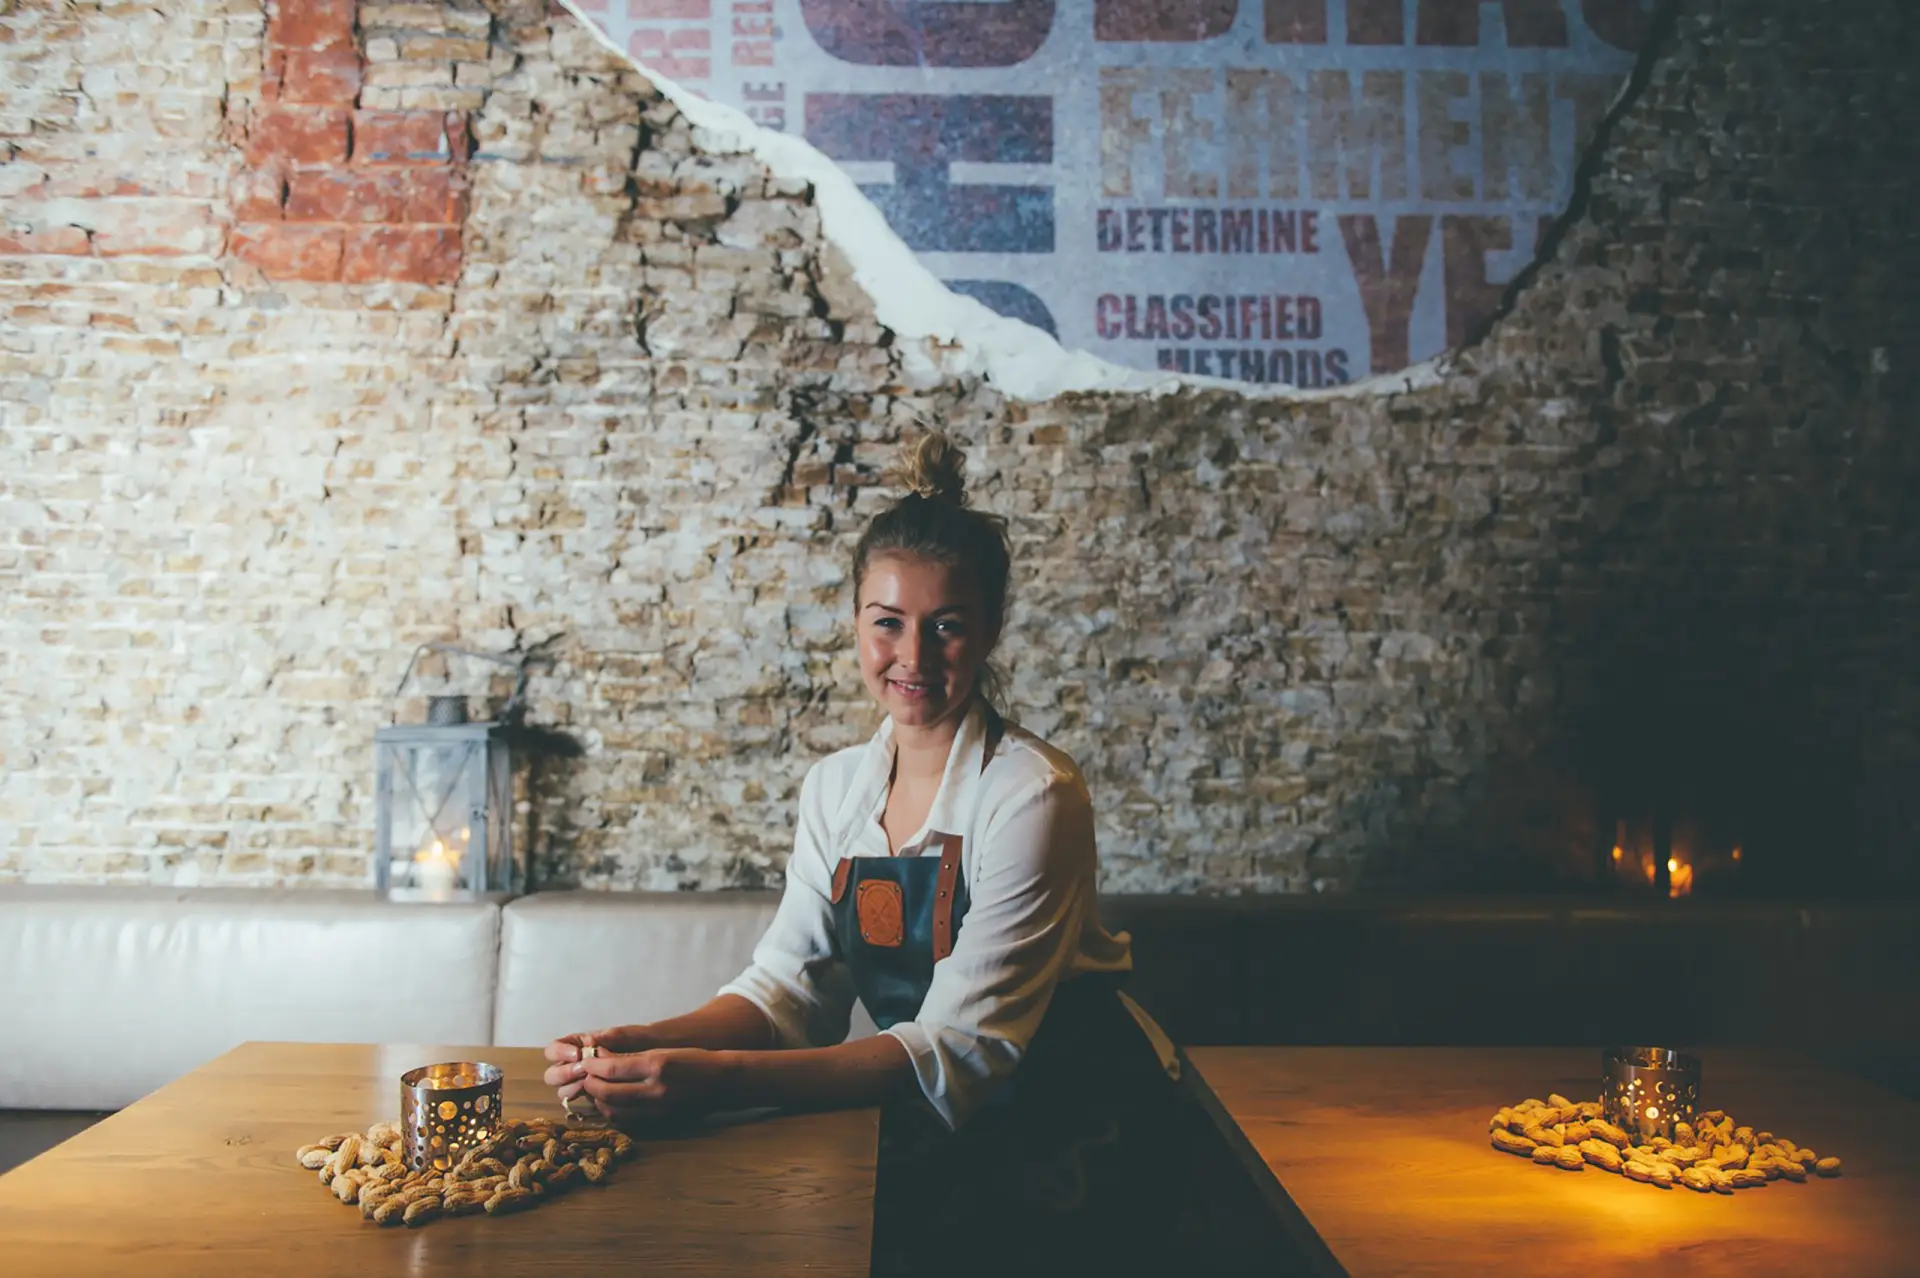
(1569, 1159)
(369, 1170)
(1695, 1178)
(1507, 1142)
(1545, 1154)
(421, 1210)
(1601, 1155)
(1558, 1101)
(1576, 1132)
(1827, 1167)
(1544, 1136)
(345, 1156)
(1746, 1178)
(1637, 1170)
(509, 1200)
(1664, 1175)
(1609, 1133)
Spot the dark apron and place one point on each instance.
(1068, 1168)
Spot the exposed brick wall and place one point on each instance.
(356, 147)
(1654, 530)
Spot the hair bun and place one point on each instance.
(932, 467)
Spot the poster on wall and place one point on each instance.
(1298, 192)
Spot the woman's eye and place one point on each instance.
(951, 628)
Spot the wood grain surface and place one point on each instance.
(200, 1178)
(1385, 1152)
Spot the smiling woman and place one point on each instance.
(944, 875)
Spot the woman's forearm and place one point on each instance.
(725, 1023)
(864, 1072)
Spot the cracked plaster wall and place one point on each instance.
(1658, 517)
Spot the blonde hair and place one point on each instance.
(932, 521)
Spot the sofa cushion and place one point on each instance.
(113, 991)
(574, 961)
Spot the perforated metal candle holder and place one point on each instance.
(446, 1110)
(1647, 1090)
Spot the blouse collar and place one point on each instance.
(966, 758)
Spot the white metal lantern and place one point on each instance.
(443, 794)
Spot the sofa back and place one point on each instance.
(106, 993)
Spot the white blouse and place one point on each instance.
(1026, 820)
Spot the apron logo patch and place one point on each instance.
(882, 913)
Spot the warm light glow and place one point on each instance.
(1673, 865)
(1617, 853)
(1653, 1111)
(1736, 854)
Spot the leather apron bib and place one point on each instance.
(1063, 1169)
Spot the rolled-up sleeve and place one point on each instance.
(1033, 886)
(795, 979)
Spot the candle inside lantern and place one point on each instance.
(1649, 1090)
(446, 1110)
(436, 868)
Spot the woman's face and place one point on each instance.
(922, 639)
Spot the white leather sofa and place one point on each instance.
(106, 993)
(571, 961)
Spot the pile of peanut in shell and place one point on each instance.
(520, 1164)
(1711, 1156)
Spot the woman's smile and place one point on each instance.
(921, 640)
(916, 689)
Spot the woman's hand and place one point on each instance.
(621, 1038)
(650, 1086)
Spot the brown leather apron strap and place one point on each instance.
(840, 873)
(943, 899)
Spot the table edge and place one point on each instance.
(1315, 1256)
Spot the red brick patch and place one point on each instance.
(344, 195)
(408, 254)
(330, 192)
(400, 137)
(258, 194)
(66, 241)
(324, 76)
(311, 24)
(437, 195)
(297, 134)
(286, 252)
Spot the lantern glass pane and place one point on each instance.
(430, 788)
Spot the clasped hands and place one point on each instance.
(632, 1082)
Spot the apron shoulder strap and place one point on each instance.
(944, 900)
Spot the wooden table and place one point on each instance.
(1384, 1153)
(200, 1178)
